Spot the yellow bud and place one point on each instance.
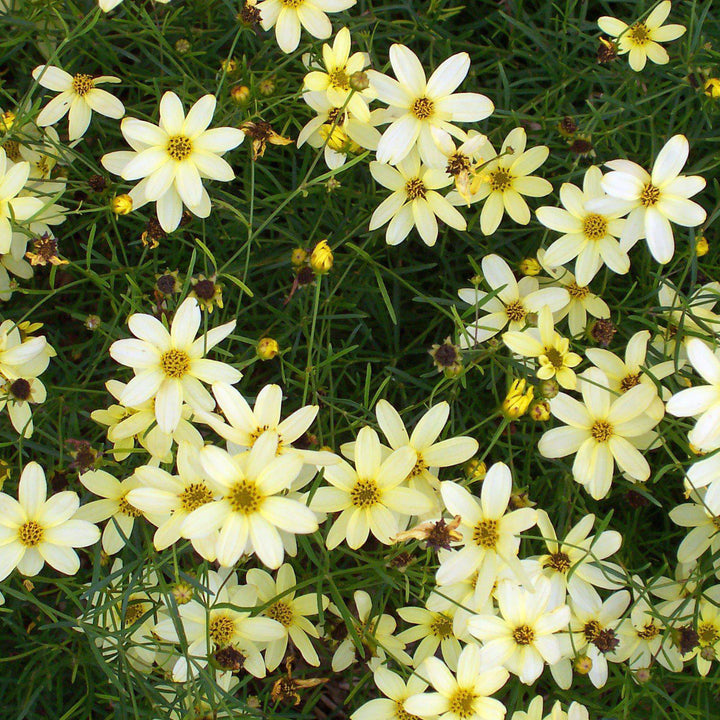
(583, 665)
(475, 470)
(359, 81)
(229, 66)
(338, 140)
(530, 266)
(182, 46)
(540, 411)
(7, 120)
(517, 400)
(267, 348)
(267, 87)
(712, 88)
(702, 246)
(298, 256)
(182, 592)
(321, 259)
(121, 204)
(240, 93)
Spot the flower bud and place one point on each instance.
(712, 88)
(549, 389)
(121, 204)
(530, 267)
(517, 400)
(321, 259)
(298, 256)
(240, 93)
(475, 470)
(702, 246)
(359, 81)
(540, 411)
(267, 348)
(182, 46)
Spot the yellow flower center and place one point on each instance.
(179, 147)
(422, 108)
(365, 493)
(441, 627)
(281, 612)
(485, 534)
(82, 84)
(420, 466)
(245, 497)
(554, 357)
(401, 713)
(523, 635)
(639, 34)
(591, 630)
(649, 631)
(462, 703)
(577, 292)
(12, 150)
(30, 534)
(708, 634)
(601, 431)
(195, 495)
(133, 612)
(292, 3)
(339, 79)
(125, 508)
(649, 195)
(500, 180)
(629, 381)
(458, 162)
(515, 311)
(175, 363)
(558, 561)
(595, 226)
(221, 630)
(415, 189)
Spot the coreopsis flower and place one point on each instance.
(126, 425)
(79, 95)
(645, 639)
(550, 348)
(462, 162)
(336, 131)
(653, 200)
(641, 40)
(333, 76)
(504, 179)
(170, 366)
(524, 637)
(290, 611)
(166, 500)
(215, 622)
(435, 630)
(17, 396)
(589, 237)
(601, 431)
(251, 511)
(396, 692)
(702, 401)
(463, 695)
(578, 562)
(430, 455)
(704, 534)
(705, 473)
(22, 357)
(369, 497)
(414, 200)
(575, 711)
(12, 262)
(172, 158)
(113, 506)
(510, 304)
(490, 533)
(35, 529)
(417, 105)
(708, 631)
(625, 374)
(287, 17)
(377, 634)
(13, 177)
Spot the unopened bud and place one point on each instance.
(530, 266)
(121, 204)
(240, 93)
(702, 246)
(321, 259)
(359, 81)
(549, 389)
(267, 348)
(712, 88)
(540, 411)
(583, 665)
(267, 87)
(182, 46)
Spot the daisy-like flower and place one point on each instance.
(464, 695)
(575, 711)
(706, 474)
(108, 5)
(653, 200)
(640, 41)
(114, 505)
(13, 177)
(170, 366)
(166, 500)
(462, 161)
(35, 529)
(702, 401)
(704, 534)
(414, 200)
(377, 634)
(504, 179)
(601, 430)
(217, 622)
(550, 348)
(417, 105)
(396, 692)
(174, 157)
(490, 535)
(435, 630)
(17, 396)
(287, 17)
(589, 236)
(79, 95)
(511, 301)
(708, 631)
(578, 562)
(369, 497)
(333, 76)
(128, 424)
(22, 357)
(524, 637)
(251, 511)
(625, 374)
(290, 611)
